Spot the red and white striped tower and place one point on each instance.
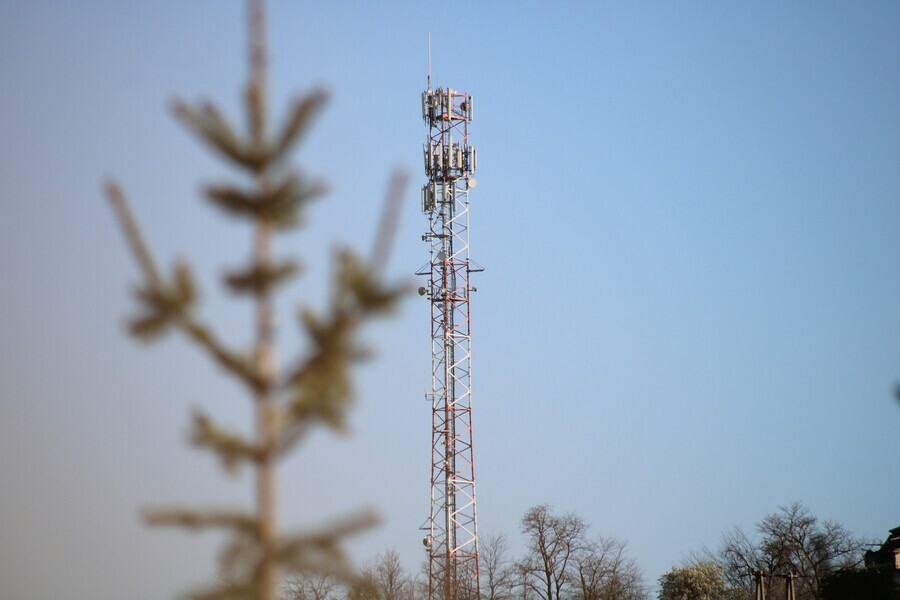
(451, 539)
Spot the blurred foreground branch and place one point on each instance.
(317, 389)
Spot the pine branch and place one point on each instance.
(168, 304)
(300, 117)
(320, 549)
(238, 522)
(232, 448)
(208, 123)
(230, 591)
(261, 278)
(320, 387)
(165, 303)
(240, 365)
(132, 233)
(279, 204)
(390, 217)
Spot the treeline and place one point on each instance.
(563, 560)
(820, 560)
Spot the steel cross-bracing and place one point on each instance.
(451, 539)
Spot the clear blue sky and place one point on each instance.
(688, 213)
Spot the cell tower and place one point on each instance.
(452, 538)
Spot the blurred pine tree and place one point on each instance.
(288, 403)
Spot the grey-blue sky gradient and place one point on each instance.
(688, 213)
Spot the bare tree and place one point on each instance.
(316, 586)
(790, 541)
(603, 571)
(418, 584)
(496, 570)
(387, 578)
(561, 563)
(740, 558)
(553, 543)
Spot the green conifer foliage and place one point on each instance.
(317, 390)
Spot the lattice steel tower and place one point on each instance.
(451, 539)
